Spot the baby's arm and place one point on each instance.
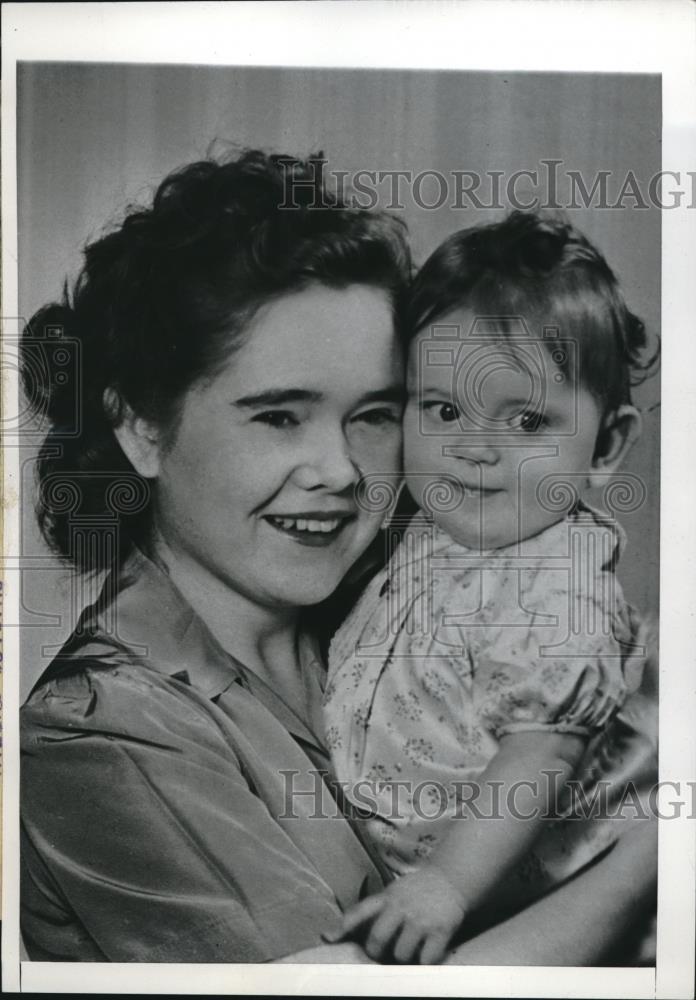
(417, 915)
(476, 851)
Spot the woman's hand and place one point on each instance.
(412, 921)
(577, 924)
(581, 922)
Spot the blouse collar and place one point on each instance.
(142, 617)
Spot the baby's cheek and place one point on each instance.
(420, 453)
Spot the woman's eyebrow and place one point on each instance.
(389, 394)
(436, 390)
(280, 397)
(277, 397)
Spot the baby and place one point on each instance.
(487, 663)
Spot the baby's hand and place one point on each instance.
(413, 920)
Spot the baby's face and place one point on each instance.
(495, 422)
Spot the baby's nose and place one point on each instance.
(479, 454)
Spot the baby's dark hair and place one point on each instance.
(162, 302)
(547, 273)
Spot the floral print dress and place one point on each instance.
(449, 649)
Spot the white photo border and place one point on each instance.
(629, 36)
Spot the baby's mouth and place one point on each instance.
(479, 491)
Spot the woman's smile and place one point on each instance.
(312, 528)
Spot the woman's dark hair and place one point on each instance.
(545, 272)
(160, 303)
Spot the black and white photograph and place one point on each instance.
(347, 574)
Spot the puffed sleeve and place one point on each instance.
(143, 839)
(553, 654)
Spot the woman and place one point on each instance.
(240, 374)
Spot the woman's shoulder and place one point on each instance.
(92, 697)
(138, 660)
(75, 686)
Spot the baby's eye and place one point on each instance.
(279, 419)
(529, 421)
(448, 413)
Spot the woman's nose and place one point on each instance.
(329, 464)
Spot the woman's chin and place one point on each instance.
(302, 591)
(313, 593)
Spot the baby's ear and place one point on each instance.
(620, 429)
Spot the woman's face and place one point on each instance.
(257, 488)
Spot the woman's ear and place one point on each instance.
(139, 439)
(620, 429)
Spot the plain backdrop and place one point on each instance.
(93, 138)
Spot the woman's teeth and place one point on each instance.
(306, 524)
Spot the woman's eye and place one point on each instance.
(448, 413)
(379, 417)
(529, 421)
(280, 419)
